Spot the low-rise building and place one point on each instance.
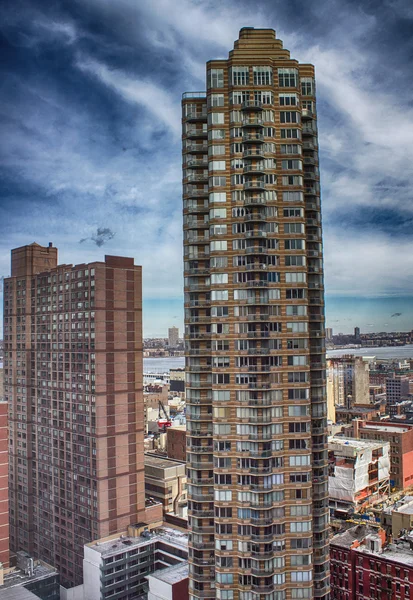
(28, 580)
(358, 474)
(364, 566)
(117, 566)
(169, 584)
(165, 481)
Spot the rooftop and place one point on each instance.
(358, 445)
(119, 543)
(15, 577)
(387, 428)
(161, 462)
(172, 574)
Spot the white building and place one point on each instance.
(359, 473)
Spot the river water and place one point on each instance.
(162, 365)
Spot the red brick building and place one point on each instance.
(363, 566)
(400, 437)
(4, 485)
(73, 380)
(176, 442)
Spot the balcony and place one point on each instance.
(255, 185)
(308, 129)
(195, 163)
(310, 175)
(197, 178)
(253, 122)
(197, 271)
(194, 133)
(255, 234)
(197, 193)
(253, 138)
(258, 200)
(252, 105)
(259, 216)
(196, 115)
(307, 114)
(252, 169)
(309, 146)
(253, 153)
(197, 147)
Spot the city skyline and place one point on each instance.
(93, 108)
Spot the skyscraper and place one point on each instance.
(73, 380)
(173, 336)
(254, 319)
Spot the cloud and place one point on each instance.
(396, 315)
(102, 235)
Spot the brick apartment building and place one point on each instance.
(364, 566)
(73, 381)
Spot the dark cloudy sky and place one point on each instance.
(90, 136)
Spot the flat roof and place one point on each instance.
(119, 543)
(161, 462)
(387, 428)
(172, 574)
(357, 444)
(17, 578)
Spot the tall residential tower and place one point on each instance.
(73, 381)
(254, 315)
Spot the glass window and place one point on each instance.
(216, 165)
(216, 118)
(288, 77)
(307, 86)
(216, 100)
(262, 75)
(239, 75)
(215, 78)
(288, 99)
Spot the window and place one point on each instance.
(292, 180)
(219, 278)
(223, 496)
(293, 212)
(291, 134)
(289, 117)
(307, 86)
(218, 229)
(216, 118)
(217, 181)
(217, 197)
(221, 395)
(215, 78)
(295, 294)
(299, 461)
(219, 245)
(293, 197)
(296, 165)
(264, 97)
(288, 99)
(219, 295)
(297, 327)
(262, 75)
(296, 310)
(216, 150)
(217, 213)
(295, 277)
(288, 77)
(239, 97)
(239, 75)
(290, 149)
(216, 165)
(216, 134)
(294, 244)
(300, 527)
(216, 100)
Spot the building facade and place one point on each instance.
(254, 319)
(348, 381)
(73, 380)
(4, 485)
(359, 474)
(117, 566)
(400, 437)
(397, 388)
(364, 566)
(173, 337)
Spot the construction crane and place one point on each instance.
(163, 421)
